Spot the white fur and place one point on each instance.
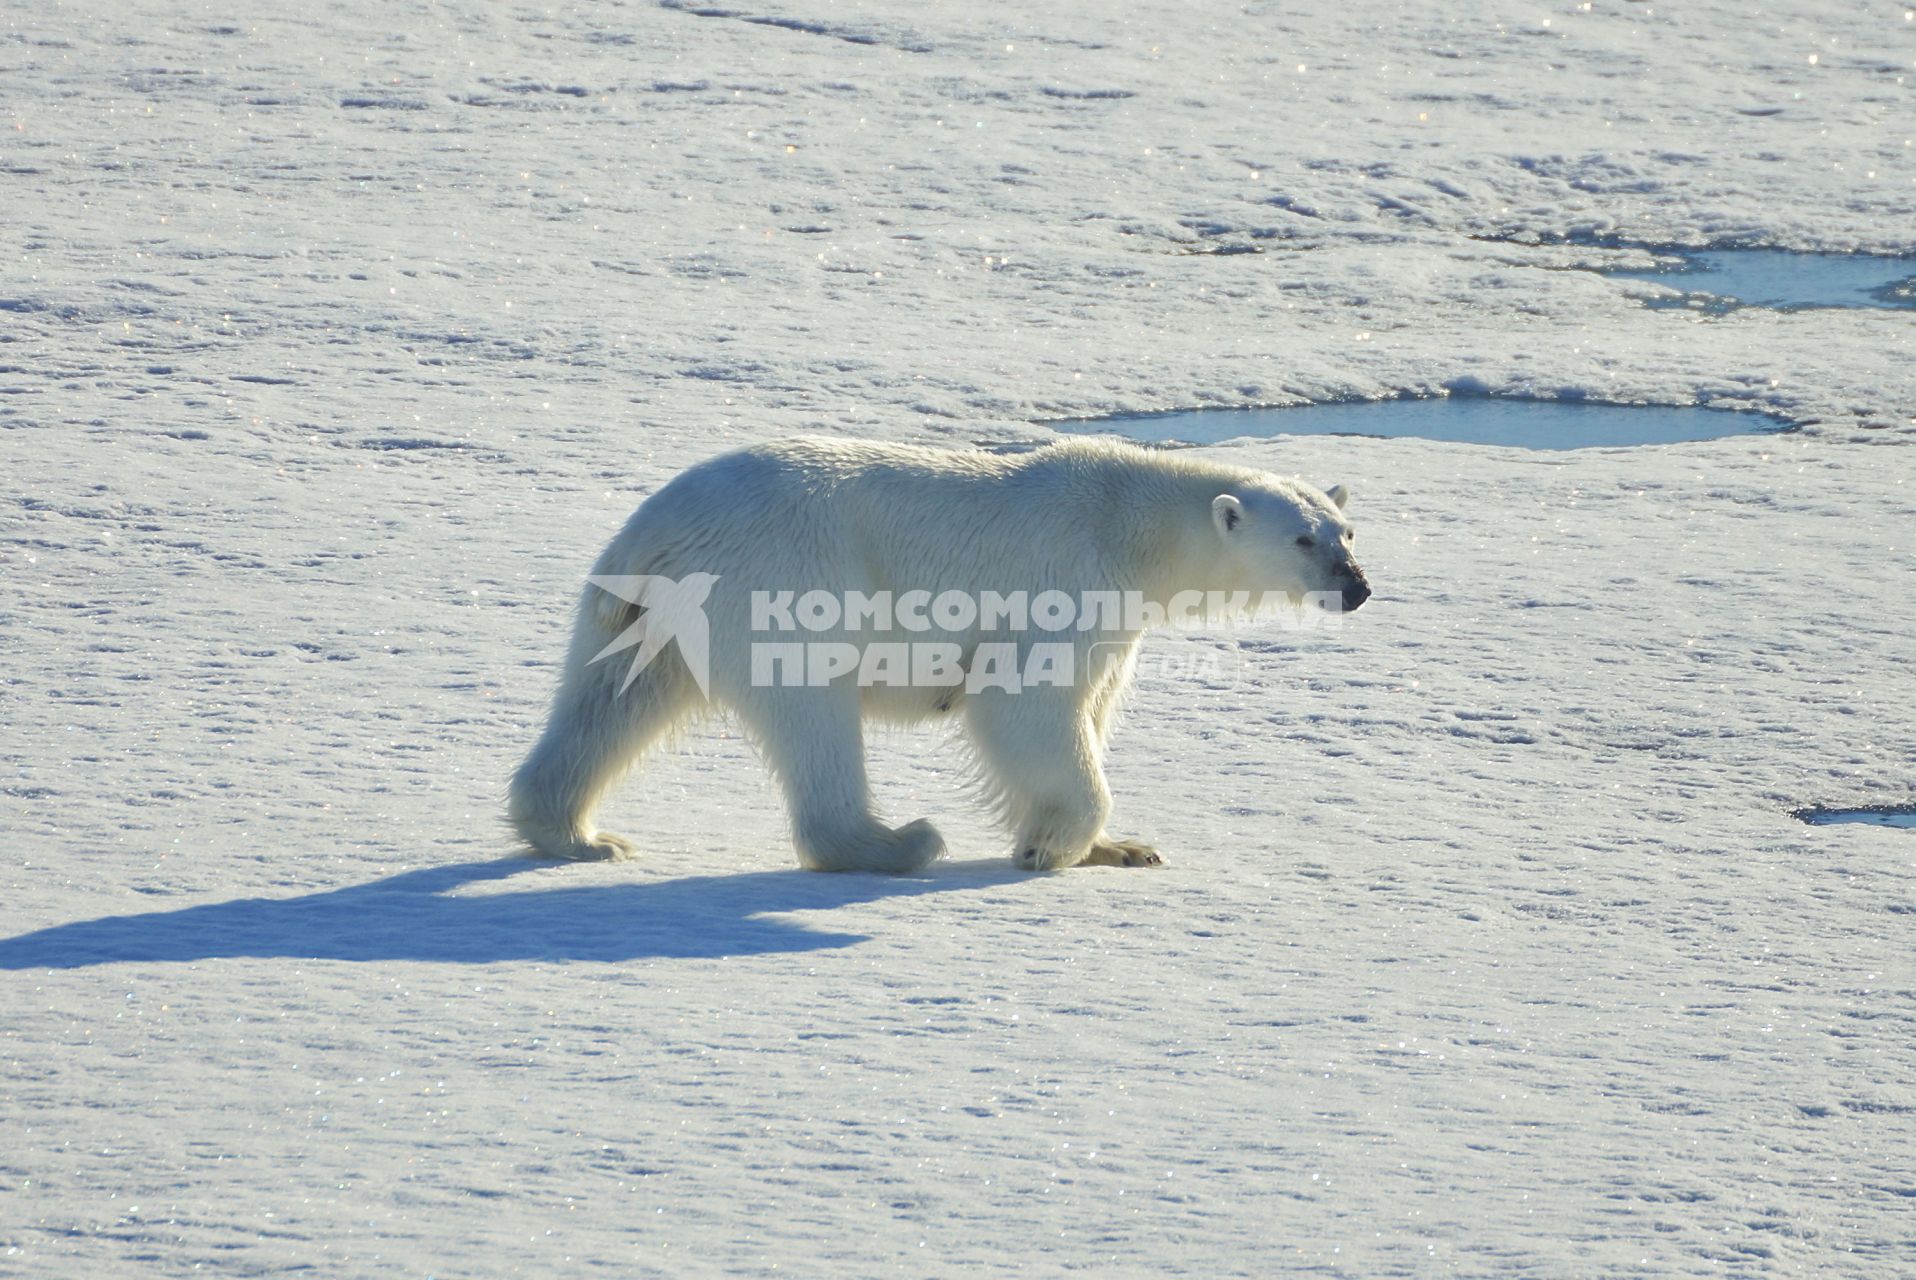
(1079, 517)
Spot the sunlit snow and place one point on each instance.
(335, 340)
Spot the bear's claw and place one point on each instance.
(1122, 853)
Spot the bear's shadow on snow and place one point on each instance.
(416, 915)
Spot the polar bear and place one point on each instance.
(690, 609)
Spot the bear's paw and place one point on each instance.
(600, 846)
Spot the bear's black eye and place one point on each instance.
(1305, 540)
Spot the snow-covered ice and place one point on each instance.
(335, 341)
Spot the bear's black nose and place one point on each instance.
(1358, 590)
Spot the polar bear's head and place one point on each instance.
(1286, 536)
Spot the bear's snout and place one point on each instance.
(1357, 590)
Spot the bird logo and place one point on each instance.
(673, 610)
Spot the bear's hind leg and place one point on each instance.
(813, 742)
(593, 735)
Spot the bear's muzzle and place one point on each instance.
(1357, 590)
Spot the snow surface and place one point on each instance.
(335, 340)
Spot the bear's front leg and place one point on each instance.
(1039, 749)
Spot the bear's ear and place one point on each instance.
(1338, 495)
(1227, 513)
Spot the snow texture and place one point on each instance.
(335, 341)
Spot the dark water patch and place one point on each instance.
(407, 443)
(375, 102)
(1892, 815)
(1087, 95)
(1785, 281)
(1459, 419)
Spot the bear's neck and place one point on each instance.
(1177, 549)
